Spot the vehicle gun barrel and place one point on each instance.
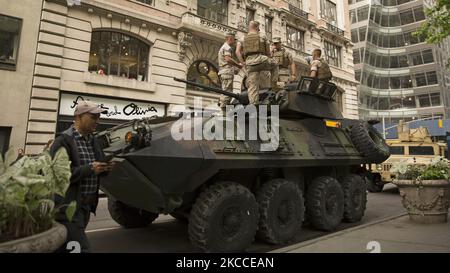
(209, 88)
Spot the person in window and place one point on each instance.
(319, 68)
(256, 52)
(286, 64)
(226, 68)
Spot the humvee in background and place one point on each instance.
(414, 145)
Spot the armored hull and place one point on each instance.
(231, 188)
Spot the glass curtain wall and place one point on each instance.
(396, 69)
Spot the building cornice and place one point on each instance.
(104, 8)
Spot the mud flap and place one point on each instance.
(128, 185)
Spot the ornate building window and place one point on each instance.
(249, 16)
(203, 72)
(114, 53)
(214, 10)
(147, 2)
(295, 38)
(332, 54)
(9, 41)
(296, 3)
(328, 11)
(268, 27)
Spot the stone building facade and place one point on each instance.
(124, 54)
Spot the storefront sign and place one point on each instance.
(117, 109)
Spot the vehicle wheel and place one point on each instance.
(355, 197)
(325, 203)
(224, 218)
(129, 217)
(374, 183)
(369, 142)
(281, 211)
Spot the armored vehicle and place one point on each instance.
(231, 191)
(412, 145)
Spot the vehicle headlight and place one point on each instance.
(140, 137)
(129, 137)
(379, 167)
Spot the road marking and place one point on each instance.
(102, 229)
(119, 227)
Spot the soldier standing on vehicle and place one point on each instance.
(319, 67)
(226, 68)
(256, 53)
(286, 64)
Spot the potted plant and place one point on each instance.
(425, 190)
(26, 207)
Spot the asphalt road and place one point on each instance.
(167, 234)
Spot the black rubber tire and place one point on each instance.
(129, 217)
(374, 183)
(325, 203)
(281, 211)
(369, 142)
(224, 218)
(355, 197)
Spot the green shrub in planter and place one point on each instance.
(404, 170)
(26, 190)
(437, 170)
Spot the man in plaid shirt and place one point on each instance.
(87, 164)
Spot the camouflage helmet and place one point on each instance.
(276, 40)
(230, 34)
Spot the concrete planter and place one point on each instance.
(47, 241)
(426, 201)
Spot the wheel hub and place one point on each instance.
(231, 221)
(356, 200)
(330, 204)
(285, 211)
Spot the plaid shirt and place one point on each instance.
(89, 184)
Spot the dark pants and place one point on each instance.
(76, 229)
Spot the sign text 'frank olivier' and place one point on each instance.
(117, 109)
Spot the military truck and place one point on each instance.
(412, 145)
(231, 191)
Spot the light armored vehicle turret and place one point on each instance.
(231, 191)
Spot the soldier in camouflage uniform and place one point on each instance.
(319, 67)
(226, 68)
(285, 61)
(256, 52)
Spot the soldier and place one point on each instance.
(256, 53)
(319, 67)
(286, 64)
(226, 68)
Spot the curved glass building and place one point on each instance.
(401, 76)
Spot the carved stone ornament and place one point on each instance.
(251, 4)
(426, 201)
(184, 41)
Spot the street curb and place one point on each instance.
(335, 234)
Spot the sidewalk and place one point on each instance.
(393, 235)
